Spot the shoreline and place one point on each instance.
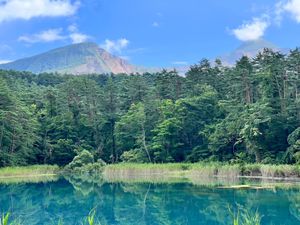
(191, 171)
(29, 176)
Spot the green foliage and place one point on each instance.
(242, 114)
(293, 151)
(84, 164)
(134, 156)
(82, 159)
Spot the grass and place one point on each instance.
(28, 171)
(214, 173)
(199, 171)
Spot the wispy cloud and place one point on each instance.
(76, 36)
(44, 36)
(291, 7)
(28, 9)
(52, 35)
(253, 30)
(155, 24)
(5, 49)
(180, 63)
(4, 61)
(125, 57)
(115, 46)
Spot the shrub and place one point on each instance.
(81, 160)
(84, 164)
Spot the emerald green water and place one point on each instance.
(146, 203)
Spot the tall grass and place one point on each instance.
(131, 171)
(216, 172)
(36, 170)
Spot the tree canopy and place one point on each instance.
(249, 112)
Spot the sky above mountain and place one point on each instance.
(156, 33)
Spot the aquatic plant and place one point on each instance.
(245, 217)
(4, 220)
(89, 220)
(91, 217)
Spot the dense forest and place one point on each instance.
(246, 113)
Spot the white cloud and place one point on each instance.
(251, 31)
(44, 36)
(72, 28)
(27, 9)
(115, 46)
(56, 35)
(78, 37)
(4, 61)
(292, 7)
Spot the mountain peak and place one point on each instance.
(81, 58)
(249, 48)
(256, 45)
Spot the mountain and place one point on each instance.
(83, 58)
(250, 49)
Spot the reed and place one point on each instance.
(27, 171)
(196, 171)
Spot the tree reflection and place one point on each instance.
(143, 203)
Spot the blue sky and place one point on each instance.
(157, 33)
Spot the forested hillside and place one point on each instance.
(246, 113)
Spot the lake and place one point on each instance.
(145, 203)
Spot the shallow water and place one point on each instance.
(144, 203)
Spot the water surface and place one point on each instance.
(144, 203)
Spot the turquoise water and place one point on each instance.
(121, 203)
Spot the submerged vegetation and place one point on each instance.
(245, 217)
(89, 220)
(242, 217)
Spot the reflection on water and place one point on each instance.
(144, 203)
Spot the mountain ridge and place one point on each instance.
(82, 58)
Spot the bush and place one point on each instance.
(84, 164)
(84, 158)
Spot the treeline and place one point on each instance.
(246, 113)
